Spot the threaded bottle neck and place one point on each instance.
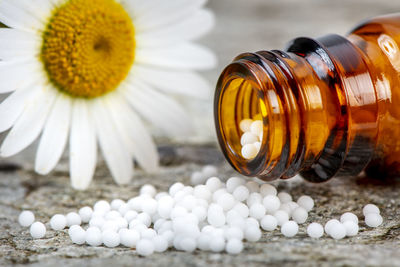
(310, 98)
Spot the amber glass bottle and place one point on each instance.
(330, 106)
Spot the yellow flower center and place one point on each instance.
(88, 47)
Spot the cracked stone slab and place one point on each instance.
(23, 189)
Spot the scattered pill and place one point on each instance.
(289, 228)
(306, 202)
(26, 218)
(58, 222)
(37, 230)
(370, 208)
(373, 219)
(315, 230)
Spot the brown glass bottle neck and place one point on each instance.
(321, 106)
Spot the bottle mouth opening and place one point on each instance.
(246, 108)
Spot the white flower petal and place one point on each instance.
(188, 29)
(83, 146)
(172, 81)
(16, 44)
(19, 74)
(133, 133)
(165, 13)
(117, 156)
(29, 125)
(183, 56)
(160, 110)
(13, 15)
(13, 106)
(55, 135)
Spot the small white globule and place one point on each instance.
(289, 228)
(268, 189)
(116, 204)
(315, 230)
(26, 218)
(148, 189)
(271, 203)
(241, 193)
(253, 234)
(58, 222)
(110, 238)
(78, 235)
(248, 138)
(269, 223)
(337, 231)
(348, 216)
(234, 246)
(160, 243)
(300, 215)
(245, 125)
(306, 202)
(145, 247)
(209, 171)
(351, 228)
(37, 230)
(249, 151)
(93, 236)
(370, 208)
(129, 237)
(217, 244)
(213, 184)
(373, 219)
(257, 211)
(73, 218)
(329, 225)
(102, 205)
(256, 127)
(281, 217)
(85, 213)
(284, 197)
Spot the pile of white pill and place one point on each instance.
(211, 216)
(251, 137)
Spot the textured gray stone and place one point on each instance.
(241, 26)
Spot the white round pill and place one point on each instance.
(78, 235)
(26, 218)
(116, 204)
(351, 228)
(300, 215)
(315, 230)
(271, 203)
(85, 213)
(148, 189)
(306, 202)
(217, 244)
(289, 228)
(241, 193)
(249, 151)
(129, 237)
(73, 218)
(268, 189)
(110, 238)
(145, 247)
(102, 205)
(373, 219)
(93, 236)
(252, 233)
(256, 127)
(269, 223)
(245, 124)
(226, 201)
(348, 216)
(37, 230)
(257, 211)
(337, 231)
(370, 208)
(248, 138)
(281, 217)
(234, 246)
(284, 197)
(160, 243)
(213, 184)
(329, 225)
(58, 222)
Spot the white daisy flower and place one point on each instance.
(86, 72)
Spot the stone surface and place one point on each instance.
(241, 26)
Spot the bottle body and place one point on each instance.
(329, 106)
